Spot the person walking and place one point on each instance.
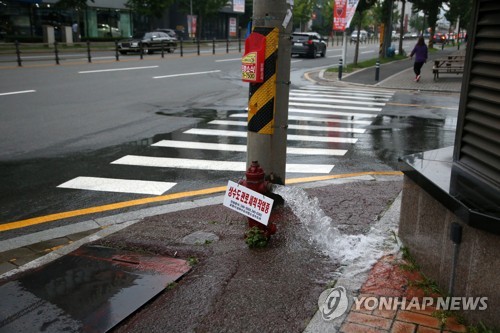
(420, 53)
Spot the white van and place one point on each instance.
(363, 36)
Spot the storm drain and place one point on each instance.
(89, 290)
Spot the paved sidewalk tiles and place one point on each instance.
(388, 278)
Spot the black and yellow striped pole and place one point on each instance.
(268, 100)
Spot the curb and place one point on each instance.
(117, 222)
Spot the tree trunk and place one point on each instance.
(356, 50)
(401, 28)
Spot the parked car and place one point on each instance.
(410, 35)
(308, 44)
(170, 32)
(363, 36)
(151, 42)
(104, 30)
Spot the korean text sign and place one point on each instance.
(248, 202)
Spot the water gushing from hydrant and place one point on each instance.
(362, 249)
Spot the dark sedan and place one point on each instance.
(308, 44)
(149, 42)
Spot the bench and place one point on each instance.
(451, 64)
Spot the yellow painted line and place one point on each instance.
(345, 175)
(124, 204)
(423, 106)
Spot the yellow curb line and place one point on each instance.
(124, 204)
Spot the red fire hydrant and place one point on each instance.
(255, 180)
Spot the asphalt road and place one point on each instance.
(61, 123)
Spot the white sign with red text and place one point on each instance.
(248, 202)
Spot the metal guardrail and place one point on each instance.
(21, 53)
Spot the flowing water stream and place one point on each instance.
(360, 249)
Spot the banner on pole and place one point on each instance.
(339, 15)
(343, 12)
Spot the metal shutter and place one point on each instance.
(478, 132)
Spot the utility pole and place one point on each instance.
(270, 149)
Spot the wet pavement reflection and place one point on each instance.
(90, 290)
(410, 123)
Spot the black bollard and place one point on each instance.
(162, 49)
(377, 70)
(227, 45)
(182, 50)
(89, 56)
(213, 45)
(198, 45)
(56, 51)
(18, 53)
(340, 69)
(117, 54)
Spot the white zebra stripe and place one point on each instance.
(213, 132)
(243, 148)
(118, 185)
(297, 127)
(313, 119)
(184, 163)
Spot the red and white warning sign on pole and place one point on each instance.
(248, 202)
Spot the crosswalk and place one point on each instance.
(323, 122)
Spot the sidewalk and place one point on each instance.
(399, 75)
(231, 288)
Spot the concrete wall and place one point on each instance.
(425, 230)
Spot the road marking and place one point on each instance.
(347, 91)
(213, 132)
(341, 95)
(162, 198)
(297, 127)
(185, 74)
(186, 163)
(118, 185)
(294, 61)
(333, 113)
(224, 60)
(334, 100)
(313, 119)
(368, 52)
(329, 106)
(243, 148)
(17, 92)
(116, 69)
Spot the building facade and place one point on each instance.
(103, 19)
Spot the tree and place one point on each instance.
(149, 8)
(362, 7)
(431, 10)
(302, 12)
(460, 11)
(325, 26)
(201, 8)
